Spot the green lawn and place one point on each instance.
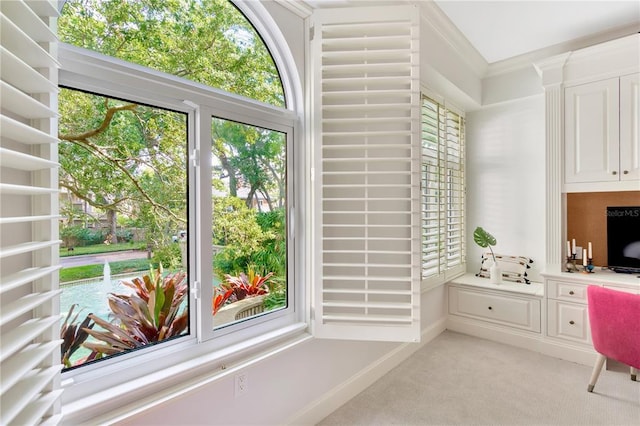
(93, 271)
(101, 248)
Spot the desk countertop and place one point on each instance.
(599, 276)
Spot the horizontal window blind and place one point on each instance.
(30, 345)
(367, 112)
(443, 189)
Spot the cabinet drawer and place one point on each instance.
(569, 321)
(570, 292)
(515, 312)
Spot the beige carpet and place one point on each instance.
(463, 380)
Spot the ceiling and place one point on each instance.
(503, 29)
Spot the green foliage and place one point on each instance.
(253, 156)
(122, 158)
(272, 254)
(150, 315)
(79, 236)
(277, 297)
(230, 261)
(251, 240)
(208, 41)
(168, 256)
(235, 226)
(484, 239)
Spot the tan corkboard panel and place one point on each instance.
(587, 218)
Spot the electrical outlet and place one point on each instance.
(241, 383)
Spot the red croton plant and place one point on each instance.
(150, 315)
(239, 287)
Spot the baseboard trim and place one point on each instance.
(536, 342)
(336, 397)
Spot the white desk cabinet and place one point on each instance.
(550, 317)
(568, 317)
(567, 305)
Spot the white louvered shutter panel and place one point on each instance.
(366, 110)
(29, 346)
(443, 193)
(432, 180)
(454, 190)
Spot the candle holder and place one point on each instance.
(589, 268)
(571, 263)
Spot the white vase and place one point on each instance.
(495, 274)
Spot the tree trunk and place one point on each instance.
(112, 216)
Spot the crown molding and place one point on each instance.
(298, 7)
(440, 22)
(526, 60)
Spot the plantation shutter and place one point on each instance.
(366, 113)
(442, 190)
(29, 346)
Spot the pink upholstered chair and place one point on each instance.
(615, 328)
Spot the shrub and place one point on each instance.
(78, 236)
(169, 256)
(277, 297)
(271, 256)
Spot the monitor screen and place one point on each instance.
(623, 239)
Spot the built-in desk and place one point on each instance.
(549, 317)
(567, 307)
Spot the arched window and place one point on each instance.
(175, 175)
(208, 42)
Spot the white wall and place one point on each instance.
(506, 179)
(300, 385)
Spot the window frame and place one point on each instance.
(446, 273)
(135, 83)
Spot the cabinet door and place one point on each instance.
(629, 127)
(591, 132)
(569, 321)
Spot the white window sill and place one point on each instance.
(114, 403)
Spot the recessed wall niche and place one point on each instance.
(587, 218)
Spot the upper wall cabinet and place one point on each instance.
(630, 127)
(592, 142)
(601, 133)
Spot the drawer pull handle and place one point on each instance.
(571, 322)
(571, 293)
(490, 308)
